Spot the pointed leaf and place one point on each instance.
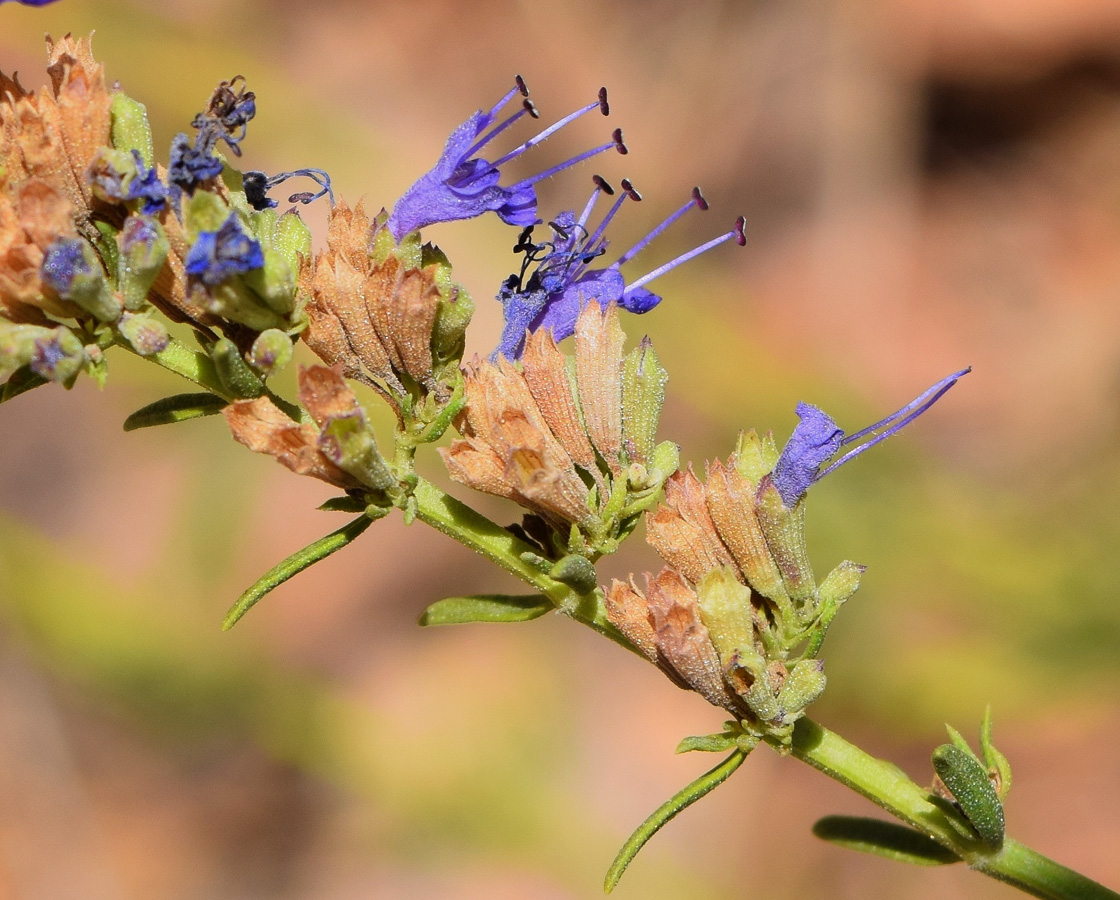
(680, 801)
(345, 503)
(708, 743)
(21, 381)
(175, 409)
(293, 565)
(968, 781)
(486, 608)
(958, 741)
(887, 839)
(992, 758)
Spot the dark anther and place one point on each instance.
(256, 188)
(530, 108)
(601, 184)
(629, 188)
(521, 86)
(619, 144)
(604, 107)
(523, 240)
(740, 231)
(563, 232)
(698, 199)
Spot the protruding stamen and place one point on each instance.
(548, 132)
(630, 189)
(604, 106)
(521, 86)
(685, 257)
(741, 231)
(560, 167)
(527, 106)
(896, 420)
(602, 184)
(619, 143)
(645, 242)
(699, 200)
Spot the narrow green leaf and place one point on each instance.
(486, 608)
(680, 801)
(293, 565)
(958, 740)
(708, 743)
(175, 409)
(887, 839)
(21, 381)
(992, 758)
(968, 781)
(346, 503)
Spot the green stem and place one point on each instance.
(470, 528)
(889, 787)
(194, 365)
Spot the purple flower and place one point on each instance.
(817, 438)
(190, 166)
(463, 185)
(218, 255)
(65, 260)
(226, 119)
(563, 282)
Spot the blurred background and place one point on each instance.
(927, 185)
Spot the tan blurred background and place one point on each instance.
(926, 185)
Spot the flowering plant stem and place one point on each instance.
(887, 786)
(879, 781)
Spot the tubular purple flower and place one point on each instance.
(817, 438)
(563, 282)
(463, 185)
(218, 255)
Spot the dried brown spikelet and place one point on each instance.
(681, 529)
(375, 319)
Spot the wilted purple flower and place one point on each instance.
(563, 282)
(463, 185)
(226, 119)
(218, 255)
(817, 438)
(143, 183)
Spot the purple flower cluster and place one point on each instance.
(565, 281)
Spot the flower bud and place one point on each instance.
(271, 352)
(129, 128)
(146, 335)
(233, 372)
(725, 608)
(55, 354)
(143, 251)
(347, 441)
(72, 270)
(804, 684)
(643, 395)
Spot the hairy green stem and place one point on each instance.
(889, 787)
(470, 528)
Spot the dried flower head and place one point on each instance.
(568, 438)
(338, 447)
(387, 313)
(739, 587)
